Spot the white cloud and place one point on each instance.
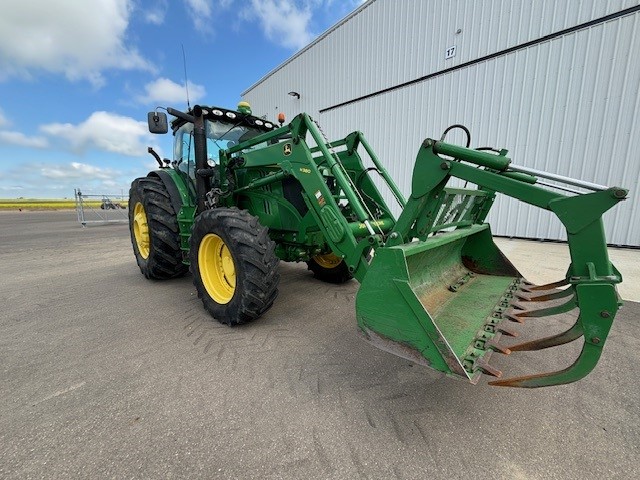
(78, 38)
(200, 12)
(156, 13)
(21, 140)
(60, 178)
(78, 170)
(200, 7)
(164, 90)
(283, 21)
(104, 131)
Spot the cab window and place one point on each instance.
(184, 149)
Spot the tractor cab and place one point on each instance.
(223, 128)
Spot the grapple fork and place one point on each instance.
(597, 304)
(441, 293)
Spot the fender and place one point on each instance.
(178, 190)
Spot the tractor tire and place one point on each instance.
(153, 224)
(234, 266)
(329, 268)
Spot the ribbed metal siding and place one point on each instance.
(568, 105)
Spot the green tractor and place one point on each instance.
(242, 194)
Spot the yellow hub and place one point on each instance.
(217, 269)
(328, 260)
(141, 230)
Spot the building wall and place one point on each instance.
(567, 104)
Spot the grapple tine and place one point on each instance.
(529, 287)
(554, 295)
(517, 313)
(567, 336)
(585, 362)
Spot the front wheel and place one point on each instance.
(329, 268)
(234, 267)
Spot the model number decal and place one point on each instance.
(377, 223)
(305, 170)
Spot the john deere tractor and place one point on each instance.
(242, 194)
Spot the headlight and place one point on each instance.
(217, 112)
(259, 122)
(231, 115)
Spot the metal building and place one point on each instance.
(555, 82)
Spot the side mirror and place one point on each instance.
(157, 122)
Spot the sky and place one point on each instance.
(77, 78)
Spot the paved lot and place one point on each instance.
(106, 374)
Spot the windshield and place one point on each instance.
(220, 136)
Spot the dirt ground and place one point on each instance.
(106, 374)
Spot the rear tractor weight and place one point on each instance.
(153, 225)
(234, 267)
(329, 268)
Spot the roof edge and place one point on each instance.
(308, 47)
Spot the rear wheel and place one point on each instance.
(329, 268)
(155, 235)
(234, 267)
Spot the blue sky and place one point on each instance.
(78, 76)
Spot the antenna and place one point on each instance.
(186, 80)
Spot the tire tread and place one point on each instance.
(165, 256)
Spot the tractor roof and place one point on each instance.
(232, 117)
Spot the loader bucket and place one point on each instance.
(439, 302)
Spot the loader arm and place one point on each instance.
(307, 156)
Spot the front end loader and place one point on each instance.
(242, 194)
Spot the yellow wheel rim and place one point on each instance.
(141, 230)
(328, 261)
(217, 270)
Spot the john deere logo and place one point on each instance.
(287, 149)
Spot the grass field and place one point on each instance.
(48, 204)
